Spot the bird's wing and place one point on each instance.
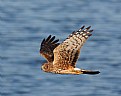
(68, 51)
(47, 47)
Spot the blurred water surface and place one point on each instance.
(23, 25)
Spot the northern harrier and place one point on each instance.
(61, 57)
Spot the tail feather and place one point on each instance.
(89, 72)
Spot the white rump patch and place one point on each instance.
(77, 69)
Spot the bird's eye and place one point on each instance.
(46, 66)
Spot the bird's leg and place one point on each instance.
(74, 72)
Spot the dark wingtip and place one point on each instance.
(48, 37)
(82, 27)
(88, 27)
(55, 41)
(52, 39)
(90, 30)
(43, 41)
(90, 35)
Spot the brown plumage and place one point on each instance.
(61, 57)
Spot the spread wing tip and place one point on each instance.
(49, 39)
(84, 29)
(47, 46)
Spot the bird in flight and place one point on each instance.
(61, 57)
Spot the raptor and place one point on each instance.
(61, 57)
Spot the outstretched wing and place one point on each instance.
(47, 47)
(68, 51)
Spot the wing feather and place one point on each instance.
(47, 47)
(68, 51)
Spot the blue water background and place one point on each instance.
(23, 25)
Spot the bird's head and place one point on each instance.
(46, 67)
